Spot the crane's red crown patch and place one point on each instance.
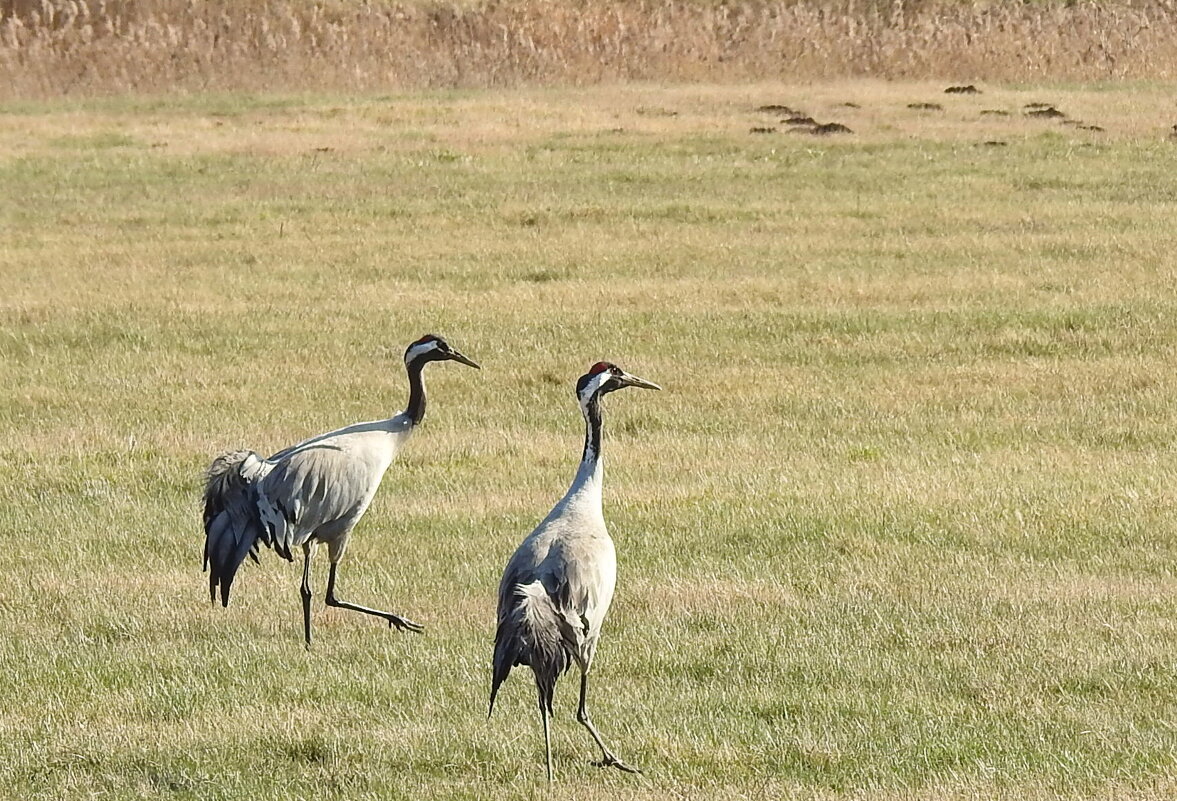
(600, 367)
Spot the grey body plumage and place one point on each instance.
(558, 585)
(311, 493)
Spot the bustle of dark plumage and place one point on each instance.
(533, 634)
(232, 523)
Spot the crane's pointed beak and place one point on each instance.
(460, 359)
(628, 380)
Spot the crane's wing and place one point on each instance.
(315, 488)
(578, 572)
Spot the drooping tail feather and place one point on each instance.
(531, 633)
(232, 525)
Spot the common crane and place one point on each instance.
(557, 587)
(310, 493)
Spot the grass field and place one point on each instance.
(901, 524)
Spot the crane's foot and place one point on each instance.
(400, 623)
(403, 624)
(611, 761)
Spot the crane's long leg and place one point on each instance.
(608, 758)
(543, 713)
(307, 550)
(402, 624)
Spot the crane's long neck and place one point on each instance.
(591, 473)
(416, 408)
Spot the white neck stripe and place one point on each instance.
(592, 388)
(420, 349)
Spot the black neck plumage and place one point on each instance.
(593, 425)
(416, 408)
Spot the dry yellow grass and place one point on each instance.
(80, 47)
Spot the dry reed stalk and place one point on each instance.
(69, 47)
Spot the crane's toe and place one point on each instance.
(404, 624)
(611, 761)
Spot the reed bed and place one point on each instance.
(51, 48)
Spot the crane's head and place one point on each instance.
(605, 377)
(431, 348)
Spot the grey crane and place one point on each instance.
(558, 585)
(310, 493)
